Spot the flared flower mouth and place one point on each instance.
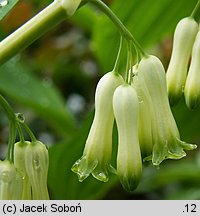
(169, 149)
(84, 167)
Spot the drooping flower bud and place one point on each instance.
(126, 112)
(10, 184)
(192, 86)
(145, 108)
(98, 149)
(37, 163)
(166, 138)
(19, 162)
(184, 37)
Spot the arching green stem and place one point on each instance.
(7, 108)
(120, 26)
(12, 127)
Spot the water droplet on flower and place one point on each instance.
(101, 176)
(3, 3)
(82, 176)
(20, 117)
(36, 164)
(5, 176)
(76, 166)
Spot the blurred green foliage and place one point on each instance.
(59, 72)
(6, 6)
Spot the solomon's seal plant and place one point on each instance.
(136, 99)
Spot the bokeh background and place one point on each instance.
(53, 83)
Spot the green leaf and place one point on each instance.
(6, 6)
(187, 121)
(149, 21)
(85, 18)
(18, 82)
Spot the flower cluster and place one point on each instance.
(146, 127)
(26, 178)
(140, 105)
(179, 79)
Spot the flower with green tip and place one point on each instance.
(19, 162)
(37, 163)
(184, 37)
(126, 112)
(10, 182)
(166, 137)
(98, 148)
(192, 86)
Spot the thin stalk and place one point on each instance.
(20, 132)
(127, 66)
(117, 22)
(130, 64)
(12, 128)
(116, 66)
(194, 12)
(30, 133)
(31, 30)
(11, 142)
(7, 108)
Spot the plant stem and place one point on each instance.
(7, 108)
(31, 30)
(127, 65)
(194, 12)
(30, 133)
(120, 26)
(20, 132)
(116, 66)
(12, 131)
(130, 64)
(11, 142)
